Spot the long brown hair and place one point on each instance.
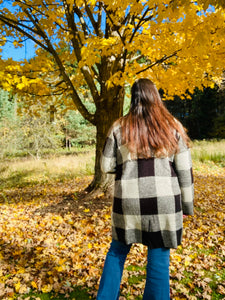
(149, 129)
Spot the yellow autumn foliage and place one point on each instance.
(181, 43)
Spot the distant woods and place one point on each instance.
(25, 133)
(203, 114)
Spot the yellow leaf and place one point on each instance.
(187, 263)
(20, 86)
(177, 257)
(62, 246)
(107, 217)
(86, 210)
(17, 286)
(15, 43)
(34, 285)
(47, 288)
(60, 268)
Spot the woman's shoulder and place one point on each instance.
(115, 127)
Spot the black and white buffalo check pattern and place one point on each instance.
(150, 195)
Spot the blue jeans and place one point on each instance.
(157, 280)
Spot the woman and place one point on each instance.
(148, 152)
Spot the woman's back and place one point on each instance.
(147, 205)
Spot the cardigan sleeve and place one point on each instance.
(108, 158)
(183, 166)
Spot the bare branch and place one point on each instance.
(100, 17)
(45, 95)
(35, 22)
(140, 23)
(83, 24)
(31, 6)
(116, 27)
(76, 99)
(73, 30)
(159, 61)
(93, 22)
(136, 58)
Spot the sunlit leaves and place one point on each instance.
(50, 241)
(50, 250)
(182, 42)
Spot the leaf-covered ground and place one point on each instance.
(52, 241)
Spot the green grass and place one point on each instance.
(135, 279)
(46, 153)
(62, 165)
(209, 151)
(135, 268)
(25, 172)
(77, 294)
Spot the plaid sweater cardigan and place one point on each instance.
(150, 195)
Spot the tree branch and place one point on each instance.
(159, 61)
(31, 6)
(139, 24)
(93, 22)
(16, 25)
(83, 24)
(115, 26)
(100, 17)
(77, 50)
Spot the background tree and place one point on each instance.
(7, 106)
(203, 114)
(104, 44)
(31, 135)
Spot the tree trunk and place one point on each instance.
(106, 115)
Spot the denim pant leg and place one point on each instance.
(157, 280)
(109, 287)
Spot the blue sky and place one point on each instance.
(26, 52)
(9, 51)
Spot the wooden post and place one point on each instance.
(52, 111)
